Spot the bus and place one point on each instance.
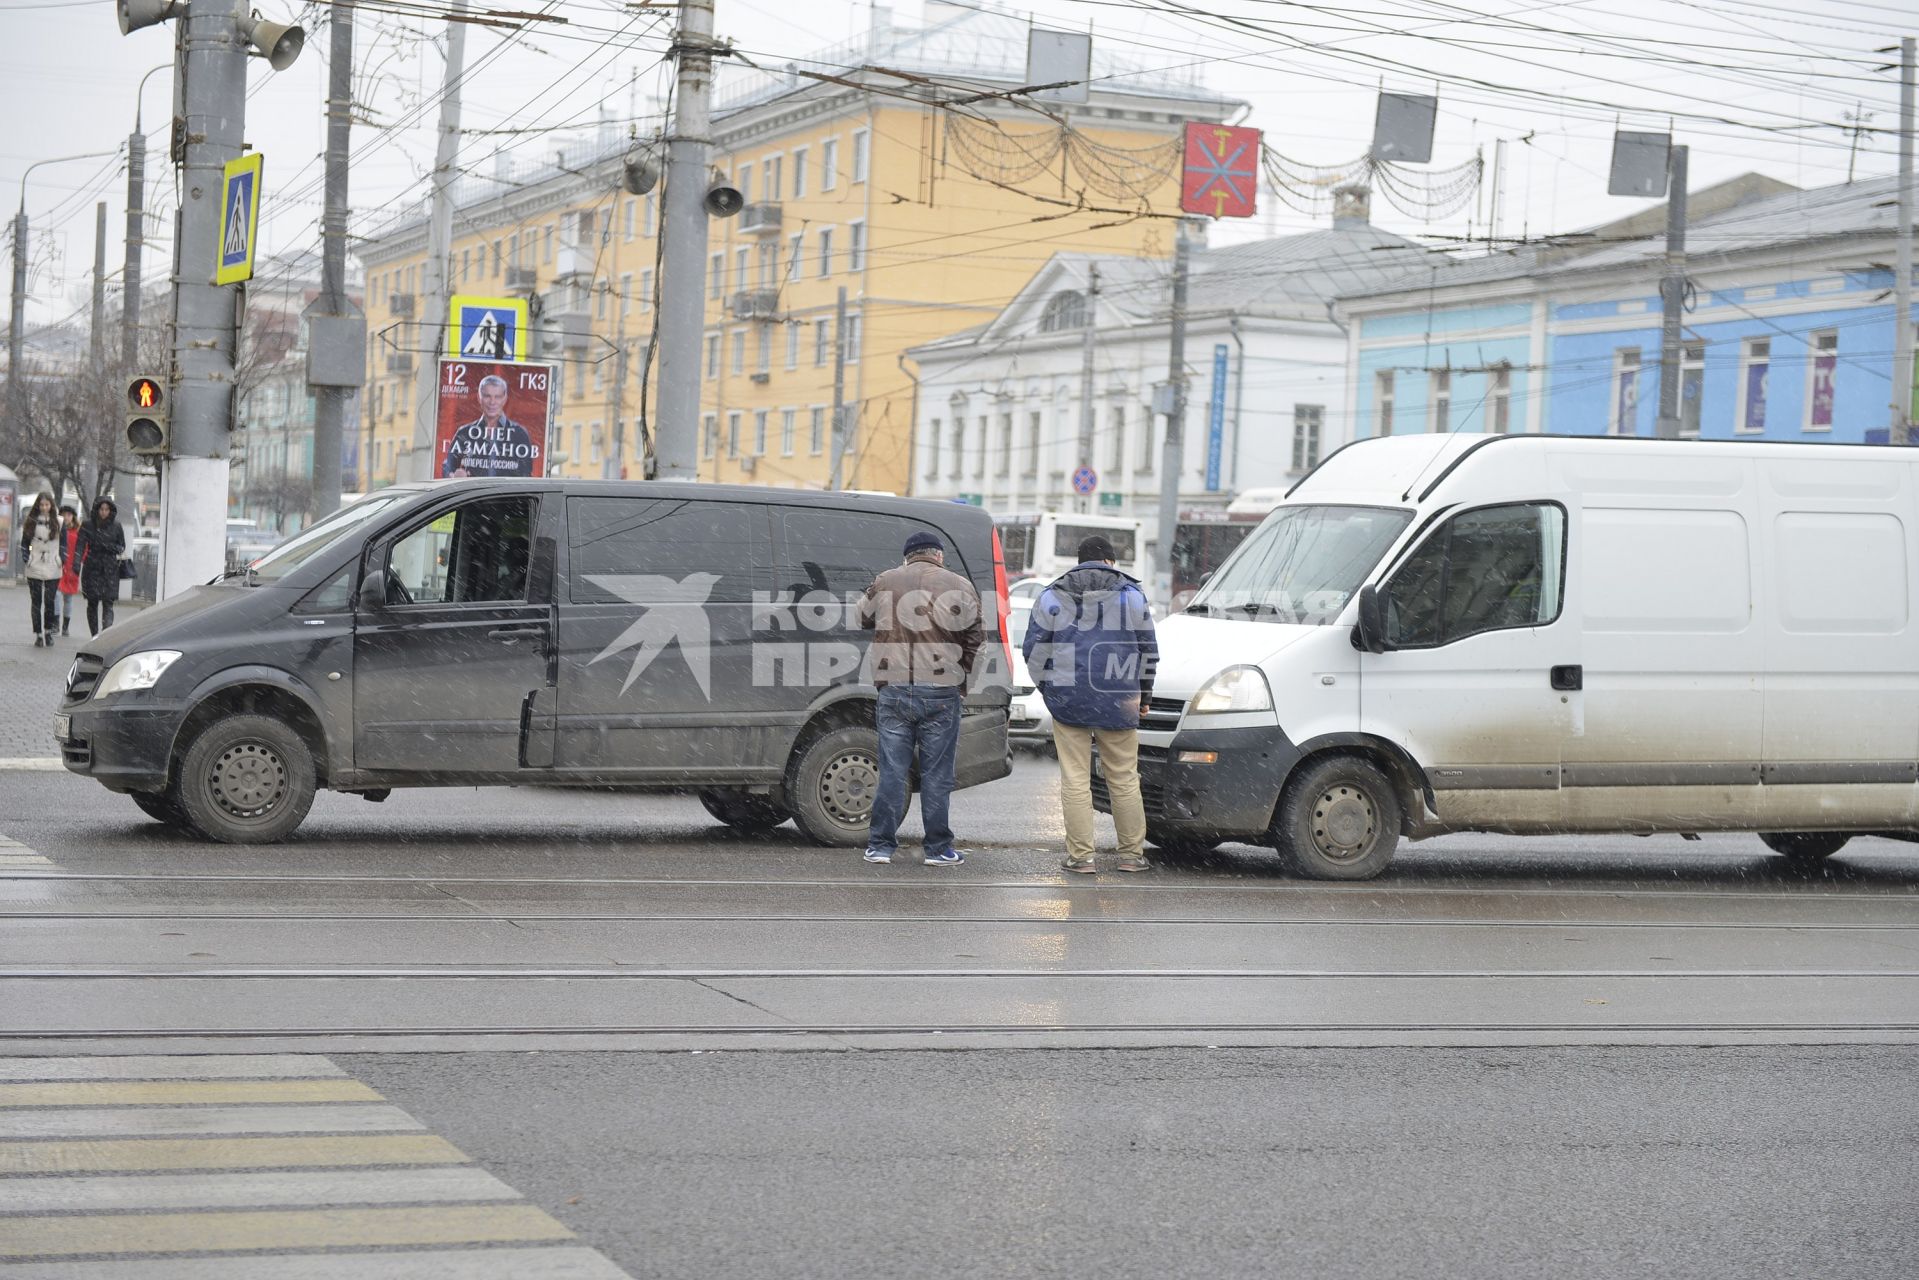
(1045, 544)
(1204, 538)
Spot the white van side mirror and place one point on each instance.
(1370, 634)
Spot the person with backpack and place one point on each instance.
(70, 562)
(42, 552)
(102, 543)
(1091, 649)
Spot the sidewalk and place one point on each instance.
(31, 679)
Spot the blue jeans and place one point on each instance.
(925, 716)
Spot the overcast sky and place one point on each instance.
(1760, 85)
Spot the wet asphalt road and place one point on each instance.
(1506, 1057)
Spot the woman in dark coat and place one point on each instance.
(102, 543)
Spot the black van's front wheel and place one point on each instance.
(246, 779)
(161, 806)
(831, 785)
(751, 815)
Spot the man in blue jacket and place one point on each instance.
(1091, 651)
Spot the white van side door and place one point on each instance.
(1482, 673)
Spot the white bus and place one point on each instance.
(1045, 544)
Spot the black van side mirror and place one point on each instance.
(372, 597)
(1370, 634)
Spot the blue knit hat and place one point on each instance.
(924, 541)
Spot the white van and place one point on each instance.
(1546, 635)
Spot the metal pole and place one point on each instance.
(1172, 453)
(17, 324)
(420, 463)
(682, 318)
(1902, 286)
(1086, 424)
(1672, 295)
(839, 390)
(330, 402)
(97, 321)
(193, 501)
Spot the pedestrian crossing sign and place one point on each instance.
(239, 219)
(485, 328)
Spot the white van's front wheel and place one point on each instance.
(1339, 820)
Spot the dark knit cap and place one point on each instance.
(1095, 547)
(924, 541)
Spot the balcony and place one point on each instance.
(573, 261)
(522, 279)
(760, 219)
(756, 304)
(400, 304)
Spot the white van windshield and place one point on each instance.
(1302, 564)
(294, 552)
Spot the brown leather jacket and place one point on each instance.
(925, 621)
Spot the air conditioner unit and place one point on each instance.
(760, 219)
(401, 363)
(521, 279)
(749, 464)
(756, 304)
(762, 378)
(400, 304)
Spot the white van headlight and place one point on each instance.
(1234, 689)
(137, 671)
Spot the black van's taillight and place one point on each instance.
(1005, 599)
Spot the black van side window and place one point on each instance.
(841, 552)
(475, 553)
(667, 538)
(1485, 570)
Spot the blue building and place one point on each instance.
(1788, 330)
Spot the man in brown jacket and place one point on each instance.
(926, 629)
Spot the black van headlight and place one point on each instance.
(137, 671)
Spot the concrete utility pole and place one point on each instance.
(1672, 295)
(839, 390)
(97, 320)
(682, 318)
(1902, 286)
(1086, 411)
(1172, 452)
(616, 395)
(336, 360)
(434, 290)
(136, 241)
(17, 322)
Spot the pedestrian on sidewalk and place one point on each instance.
(69, 565)
(926, 629)
(42, 551)
(1091, 650)
(102, 543)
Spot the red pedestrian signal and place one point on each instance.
(146, 417)
(143, 393)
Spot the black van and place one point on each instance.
(666, 636)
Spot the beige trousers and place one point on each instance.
(1119, 765)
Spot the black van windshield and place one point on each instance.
(306, 544)
(1302, 565)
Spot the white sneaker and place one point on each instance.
(878, 855)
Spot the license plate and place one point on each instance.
(63, 727)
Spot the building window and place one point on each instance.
(771, 179)
(499, 258)
(739, 351)
(599, 303)
(787, 417)
(651, 221)
(1692, 387)
(716, 285)
(1308, 421)
(707, 432)
(759, 432)
(733, 434)
(862, 154)
(1005, 467)
(646, 291)
(959, 445)
(1502, 398)
(821, 333)
(856, 246)
(1116, 444)
(712, 355)
(793, 344)
(826, 251)
(1754, 366)
(829, 164)
(745, 183)
(1148, 430)
(933, 429)
(979, 449)
(1819, 386)
(1033, 429)
(1383, 401)
(816, 431)
(795, 254)
(626, 295)
(799, 173)
(513, 248)
(546, 251)
(764, 363)
(769, 264)
(1625, 392)
(627, 219)
(742, 270)
(1442, 409)
(853, 330)
(1064, 310)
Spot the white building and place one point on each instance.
(999, 406)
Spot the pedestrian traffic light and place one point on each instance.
(146, 416)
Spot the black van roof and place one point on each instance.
(929, 509)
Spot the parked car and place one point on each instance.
(501, 632)
(1542, 635)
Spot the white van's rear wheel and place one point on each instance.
(831, 785)
(1339, 820)
(1805, 848)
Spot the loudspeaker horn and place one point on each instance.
(639, 174)
(278, 42)
(723, 201)
(135, 14)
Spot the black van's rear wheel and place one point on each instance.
(742, 812)
(247, 779)
(1805, 849)
(831, 785)
(1339, 820)
(161, 806)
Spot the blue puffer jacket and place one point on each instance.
(1090, 648)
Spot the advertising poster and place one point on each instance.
(492, 419)
(8, 495)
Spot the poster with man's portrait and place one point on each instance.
(492, 419)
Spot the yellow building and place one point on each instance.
(929, 212)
